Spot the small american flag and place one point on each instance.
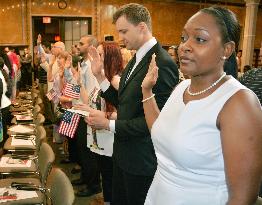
(69, 124)
(51, 94)
(72, 91)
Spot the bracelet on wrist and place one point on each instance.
(146, 99)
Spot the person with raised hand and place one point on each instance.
(99, 140)
(134, 160)
(207, 138)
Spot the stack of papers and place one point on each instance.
(23, 142)
(9, 162)
(18, 109)
(24, 117)
(24, 94)
(10, 194)
(27, 112)
(21, 129)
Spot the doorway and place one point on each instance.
(65, 29)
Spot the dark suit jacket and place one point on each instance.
(133, 150)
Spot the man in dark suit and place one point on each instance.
(133, 153)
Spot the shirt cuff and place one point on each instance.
(105, 85)
(112, 125)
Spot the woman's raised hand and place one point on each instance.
(97, 65)
(39, 39)
(68, 62)
(43, 58)
(151, 76)
(52, 60)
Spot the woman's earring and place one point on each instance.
(224, 57)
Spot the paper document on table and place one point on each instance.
(22, 93)
(10, 194)
(24, 117)
(21, 129)
(26, 141)
(27, 112)
(80, 112)
(9, 162)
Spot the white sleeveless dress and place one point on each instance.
(188, 148)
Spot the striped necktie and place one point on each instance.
(131, 66)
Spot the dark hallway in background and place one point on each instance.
(66, 29)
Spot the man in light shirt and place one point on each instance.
(89, 173)
(53, 66)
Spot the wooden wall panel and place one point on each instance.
(11, 21)
(168, 21)
(168, 18)
(106, 13)
(74, 8)
(15, 28)
(258, 39)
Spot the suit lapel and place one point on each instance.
(145, 60)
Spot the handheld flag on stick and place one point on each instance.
(69, 124)
(72, 91)
(51, 94)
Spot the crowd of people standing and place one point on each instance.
(162, 127)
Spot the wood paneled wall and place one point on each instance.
(168, 18)
(12, 23)
(258, 39)
(15, 16)
(74, 8)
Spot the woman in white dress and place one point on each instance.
(207, 138)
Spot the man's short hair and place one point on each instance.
(135, 14)
(91, 40)
(175, 47)
(60, 44)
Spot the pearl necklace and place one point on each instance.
(208, 88)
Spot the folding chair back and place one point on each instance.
(61, 190)
(45, 159)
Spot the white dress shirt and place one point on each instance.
(55, 69)
(87, 77)
(5, 100)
